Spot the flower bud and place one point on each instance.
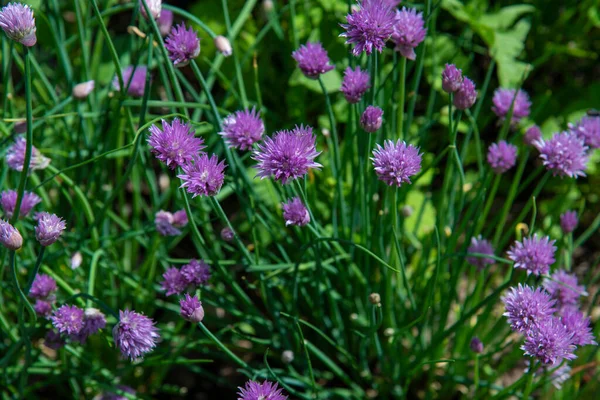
(227, 234)
(372, 119)
(476, 345)
(82, 90)
(375, 298)
(223, 45)
(287, 356)
(9, 236)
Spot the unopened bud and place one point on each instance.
(287, 356)
(267, 6)
(407, 211)
(10, 236)
(82, 90)
(76, 260)
(476, 345)
(375, 298)
(227, 234)
(223, 45)
(325, 132)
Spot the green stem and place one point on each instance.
(111, 46)
(212, 337)
(529, 382)
(22, 296)
(28, 138)
(401, 89)
(236, 237)
(35, 269)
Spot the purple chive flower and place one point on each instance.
(261, 391)
(42, 287)
(476, 345)
(312, 60)
(288, 155)
(466, 95)
(68, 319)
(203, 176)
(242, 129)
(369, 26)
(195, 273)
(481, 246)
(409, 31)
(49, 228)
(503, 99)
(93, 321)
(223, 45)
(371, 119)
(355, 83)
(568, 221)
(17, 21)
(451, 78)
(535, 254)
(8, 199)
(155, 7)
(54, 340)
(163, 221)
(165, 22)
(527, 308)
(9, 236)
(15, 156)
(588, 130)
(173, 281)
(396, 162)
(578, 326)
(180, 218)
(295, 212)
(122, 388)
(134, 334)
(191, 308)
(502, 156)
(134, 81)
(42, 308)
(564, 155)
(532, 135)
(564, 288)
(227, 234)
(550, 342)
(175, 144)
(183, 45)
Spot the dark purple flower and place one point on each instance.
(527, 308)
(175, 144)
(173, 281)
(409, 31)
(295, 212)
(227, 234)
(8, 200)
(203, 176)
(371, 119)
(568, 221)
(68, 319)
(134, 81)
(42, 308)
(180, 218)
(183, 45)
(312, 60)
(481, 246)
(466, 95)
(476, 345)
(49, 228)
(369, 26)
(564, 155)
(533, 254)
(355, 83)
(134, 334)
(163, 221)
(122, 388)
(532, 135)
(503, 100)
(588, 130)
(451, 78)
(396, 162)
(564, 288)
(223, 45)
(54, 340)
(15, 156)
(578, 326)
(288, 155)
(195, 273)
(191, 308)
(10, 236)
(502, 156)
(242, 129)
(42, 287)
(17, 21)
(550, 342)
(165, 22)
(261, 391)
